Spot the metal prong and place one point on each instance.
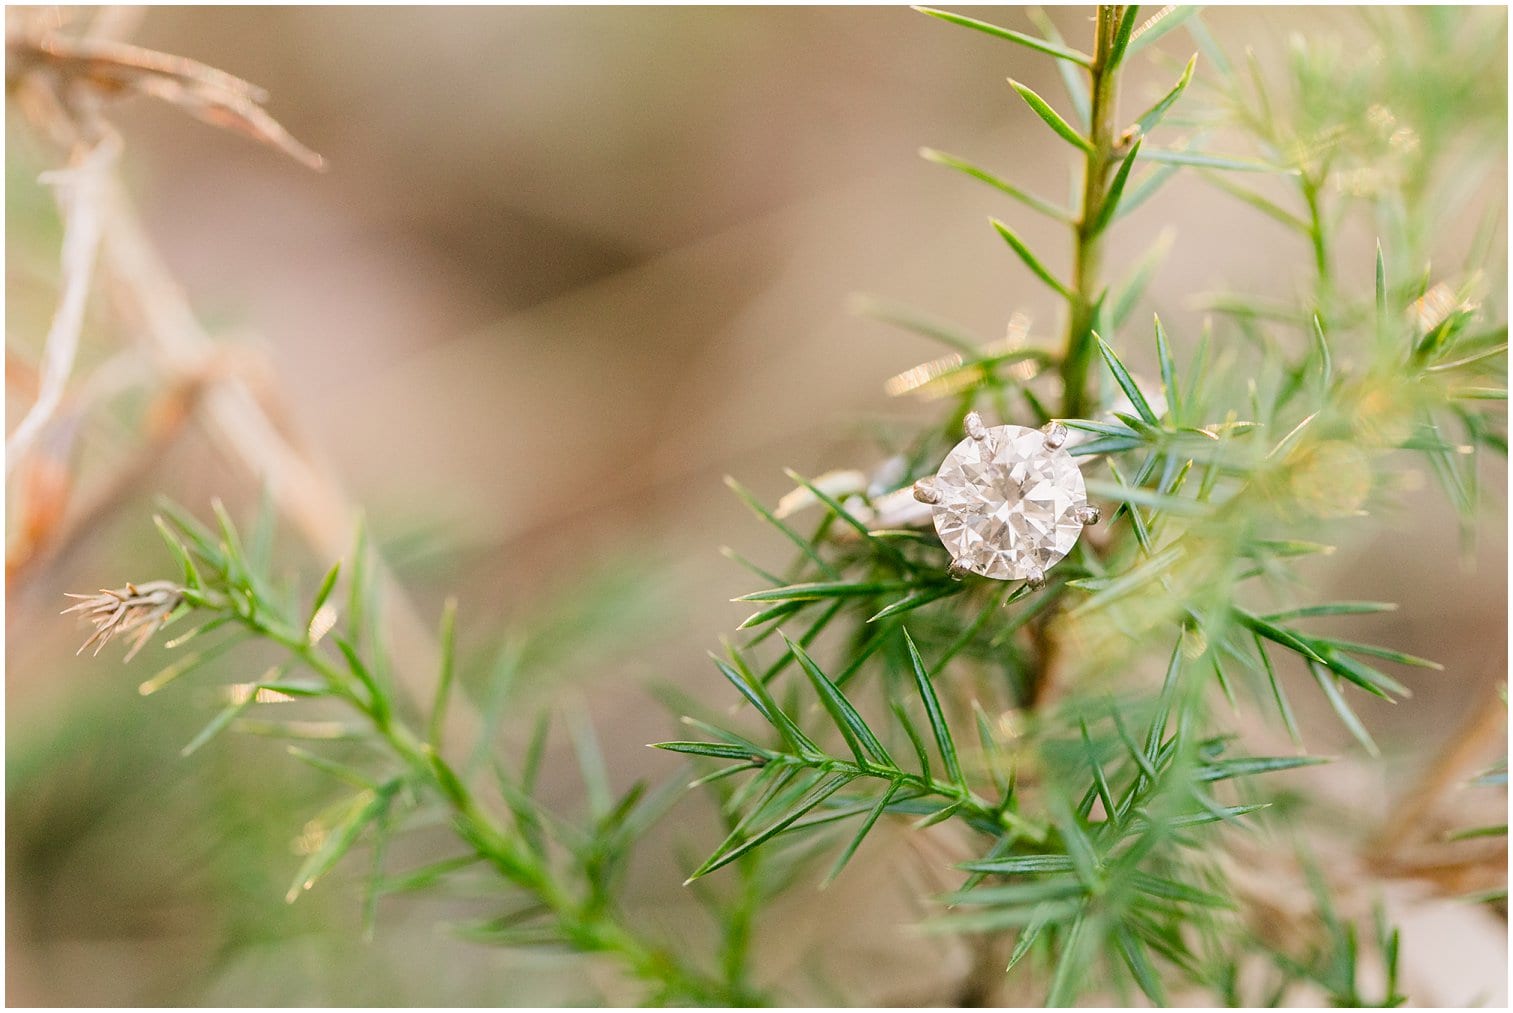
(1055, 435)
(958, 569)
(925, 491)
(1035, 579)
(1087, 514)
(974, 427)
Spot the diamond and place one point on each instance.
(1009, 507)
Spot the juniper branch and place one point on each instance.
(224, 590)
(1104, 143)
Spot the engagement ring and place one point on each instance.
(1009, 502)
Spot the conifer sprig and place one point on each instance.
(1227, 478)
(559, 876)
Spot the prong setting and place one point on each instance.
(1008, 502)
(1088, 514)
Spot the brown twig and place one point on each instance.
(53, 517)
(1471, 744)
(103, 68)
(78, 190)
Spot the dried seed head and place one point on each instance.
(136, 610)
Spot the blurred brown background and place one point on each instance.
(568, 268)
